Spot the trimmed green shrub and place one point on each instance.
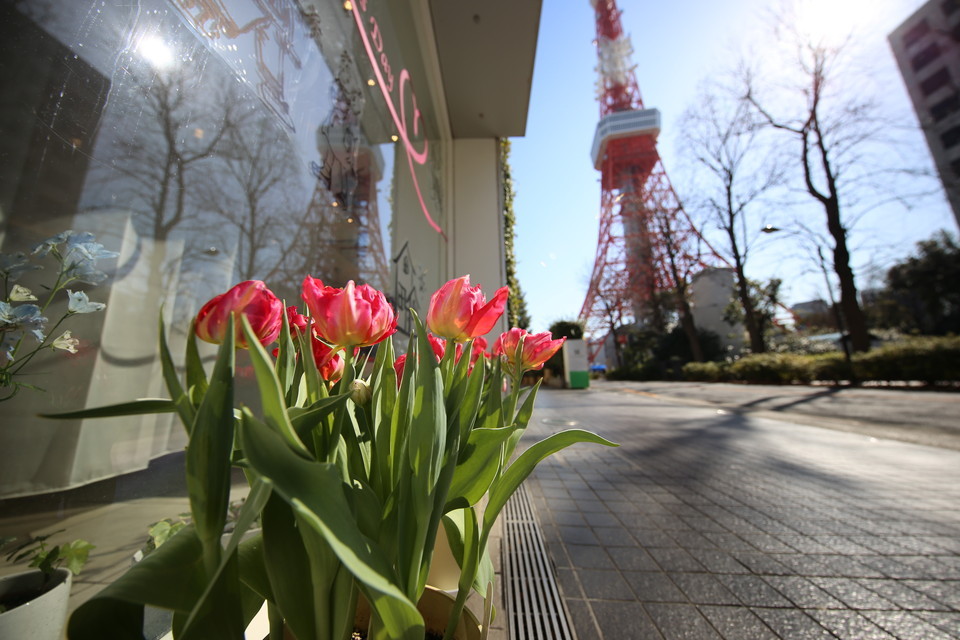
(772, 368)
(706, 371)
(928, 359)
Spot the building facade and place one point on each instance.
(212, 142)
(927, 52)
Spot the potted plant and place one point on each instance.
(33, 604)
(355, 458)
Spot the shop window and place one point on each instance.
(940, 78)
(915, 33)
(945, 107)
(925, 57)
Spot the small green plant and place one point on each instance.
(72, 555)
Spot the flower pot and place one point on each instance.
(44, 609)
(435, 606)
(444, 570)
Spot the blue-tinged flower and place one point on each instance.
(46, 246)
(12, 265)
(20, 319)
(80, 303)
(66, 342)
(84, 246)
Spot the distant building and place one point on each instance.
(711, 292)
(926, 49)
(804, 310)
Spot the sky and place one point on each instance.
(677, 45)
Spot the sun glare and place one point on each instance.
(830, 22)
(156, 52)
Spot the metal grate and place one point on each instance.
(535, 610)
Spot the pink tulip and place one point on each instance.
(298, 322)
(460, 312)
(251, 299)
(398, 366)
(329, 361)
(355, 316)
(537, 349)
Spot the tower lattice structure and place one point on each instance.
(646, 242)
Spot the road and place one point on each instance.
(729, 514)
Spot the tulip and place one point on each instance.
(297, 321)
(355, 316)
(460, 312)
(329, 361)
(252, 299)
(537, 348)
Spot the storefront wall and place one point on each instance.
(209, 143)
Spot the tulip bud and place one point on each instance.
(360, 392)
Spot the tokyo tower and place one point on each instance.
(647, 245)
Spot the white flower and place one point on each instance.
(79, 303)
(22, 294)
(66, 342)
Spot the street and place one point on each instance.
(715, 521)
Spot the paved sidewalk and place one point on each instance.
(706, 523)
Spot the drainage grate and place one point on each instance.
(535, 610)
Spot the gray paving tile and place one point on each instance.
(589, 557)
(581, 617)
(573, 518)
(803, 593)
(604, 585)
(849, 624)
(853, 594)
(577, 535)
(681, 622)
(654, 586)
(753, 591)
(792, 623)
(623, 621)
(614, 537)
(906, 626)
(632, 559)
(704, 588)
(568, 583)
(946, 592)
(717, 561)
(674, 559)
(737, 623)
(948, 622)
(902, 595)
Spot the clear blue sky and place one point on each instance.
(676, 45)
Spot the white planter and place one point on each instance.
(43, 617)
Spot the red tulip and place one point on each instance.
(460, 312)
(329, 361)
(355, 316)
(398, 366)
(537, 349)
(297, 321)
(251, 299)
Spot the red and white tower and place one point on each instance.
(645, 238)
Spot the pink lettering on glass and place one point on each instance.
(404, 120)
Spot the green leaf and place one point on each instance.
(169, 578)
(271, 394)
(478, 466)
(142, 406)
(287, 569)
(287, 362)
(208, 457)
(196, 376)
(75, 554)
(185, 408)
(470, 407)
(304, 421)
(516, 473)
(314, 490)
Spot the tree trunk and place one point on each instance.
(690, 329)
(852, 313)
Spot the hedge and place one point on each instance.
(932, 360)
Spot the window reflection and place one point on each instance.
(207, 143)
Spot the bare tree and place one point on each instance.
(722, 134)
(832, 124)
(679, 257)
